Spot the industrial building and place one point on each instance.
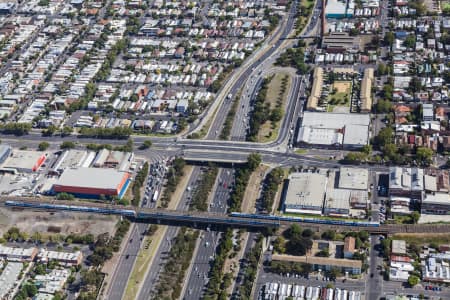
(327, 192)
(113, 159)
(341, 198)
(93, 182)
(366, 90)
(338, 202)
(353, 178)
(436, 204)
(305, 193)
(70, 159)
(83, 159)
(337, 9)
(316, 89)
(334, 130)
(339, 42)
(406, 182)
(23, 161)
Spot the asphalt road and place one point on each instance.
(126, 262)
(220, 117)
(151, 277)
(119, 279)
(374, 283)
(198, 278)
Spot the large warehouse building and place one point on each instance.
(335, 130)
(305, 193)
(340, 193)
(93, 182)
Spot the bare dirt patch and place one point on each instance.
(58, 222)
(342, 86)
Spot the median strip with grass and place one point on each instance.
(201, 193)
(180, 255)
(144, 260)
(268, 109)
(228, 125)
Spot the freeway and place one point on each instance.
(198, 277)
(276, 46)
(164, 247)
(119, 278)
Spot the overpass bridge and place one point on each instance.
(252, 221)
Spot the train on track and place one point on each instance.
(76, 208)
(232, 218)
(305, 220)
(159, 215)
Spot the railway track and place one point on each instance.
(213, 218)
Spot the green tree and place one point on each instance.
(329, 235)
(294, 231)
(415, 216)
(384, 137)
(36, 237)
(276, 115)
(424, 155)
(410, 41)
(389, 38)
(298, 245)
(67, 145)
(415, 85)
(279, 245)
(367, 149)
(382, 70)
(253, 161)
(30, 289)
(67, 130)
(145, 145)
(43, 146)
(50, 130)
(64, 196)
(355, 157)
(16, 128)
(390, 151)
(413, 280)
(383, 106)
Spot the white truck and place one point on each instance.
(155, 196)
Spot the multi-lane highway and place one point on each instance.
(164, 247)
(198, 278)
(276, 45)
(119, 279)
